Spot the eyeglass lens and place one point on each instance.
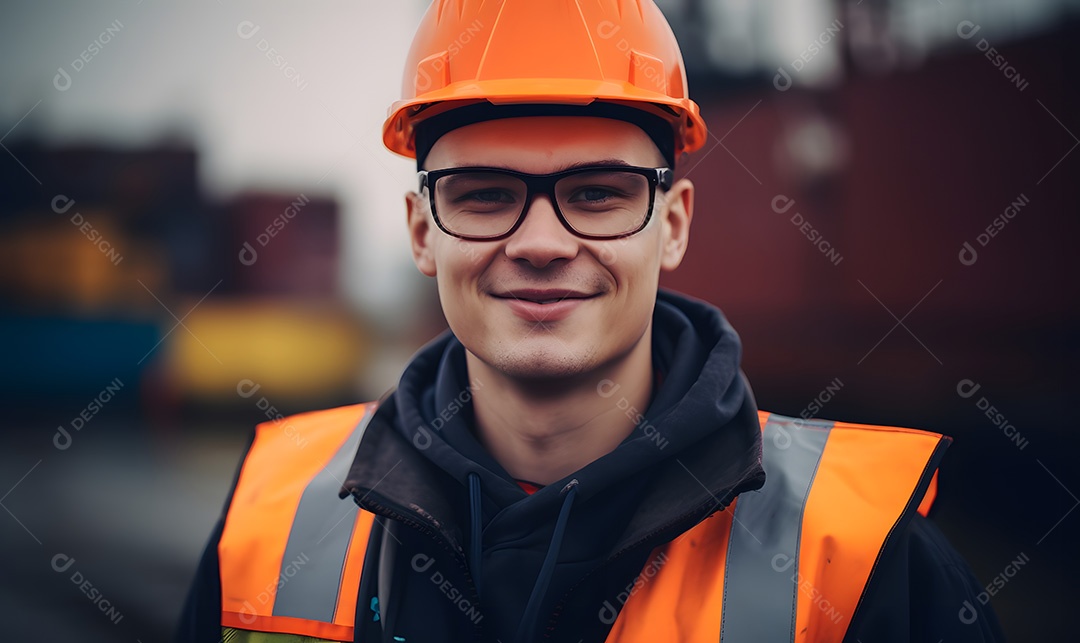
(488, 203)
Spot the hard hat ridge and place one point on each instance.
(544, 52)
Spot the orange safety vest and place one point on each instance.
(796, 554)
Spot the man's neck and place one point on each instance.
(544, 430)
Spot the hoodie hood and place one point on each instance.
(697, 446)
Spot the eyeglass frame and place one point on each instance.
(545, 184)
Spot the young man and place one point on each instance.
(579, 458)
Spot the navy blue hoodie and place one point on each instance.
(461, 552)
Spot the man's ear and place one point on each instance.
(420, 229)
(676, 223)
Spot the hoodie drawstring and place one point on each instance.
(527, 627)
(475, 537)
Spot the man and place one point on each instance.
(579, 458)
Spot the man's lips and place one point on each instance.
(543, 296)
(543, 305)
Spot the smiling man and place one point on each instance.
(546, 313)
(579, 457)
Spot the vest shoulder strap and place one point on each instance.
(790, 561)
(291, 550)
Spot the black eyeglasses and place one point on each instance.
(592, 202)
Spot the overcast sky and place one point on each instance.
(306, 121)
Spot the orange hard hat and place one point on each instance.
(564, 52)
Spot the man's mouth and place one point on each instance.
(544, 296)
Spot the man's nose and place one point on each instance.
(542, 238)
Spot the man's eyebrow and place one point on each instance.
(577, 164)
(569, 166)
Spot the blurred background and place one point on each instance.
(200, 230)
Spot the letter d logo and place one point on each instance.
(781, 204)
(248, 256)
(62, 562)
(61, 81)
(782, 79)
(968, 256)
(608, 613)
(62, 439)
(61, 199)
(782, 562)
(966, 29)
(422, 439)
(782, 439)
(247, 613)
(608, 256)
(247, 388)
(967, 614)
(422, 562)
(423, 80)
(967, 388)
(607, 29)
(607, 388)
(247, 29)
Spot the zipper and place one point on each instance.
(426, 529)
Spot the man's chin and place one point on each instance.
(539, 358)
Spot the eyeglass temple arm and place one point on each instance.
(665, 176)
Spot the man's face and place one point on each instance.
(605, 290)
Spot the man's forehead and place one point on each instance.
(556, 142)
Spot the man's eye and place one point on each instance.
(593, 195)
(489, 196)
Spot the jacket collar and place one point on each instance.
(390, 477)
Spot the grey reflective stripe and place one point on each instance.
(761, 579)
(319, 540)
